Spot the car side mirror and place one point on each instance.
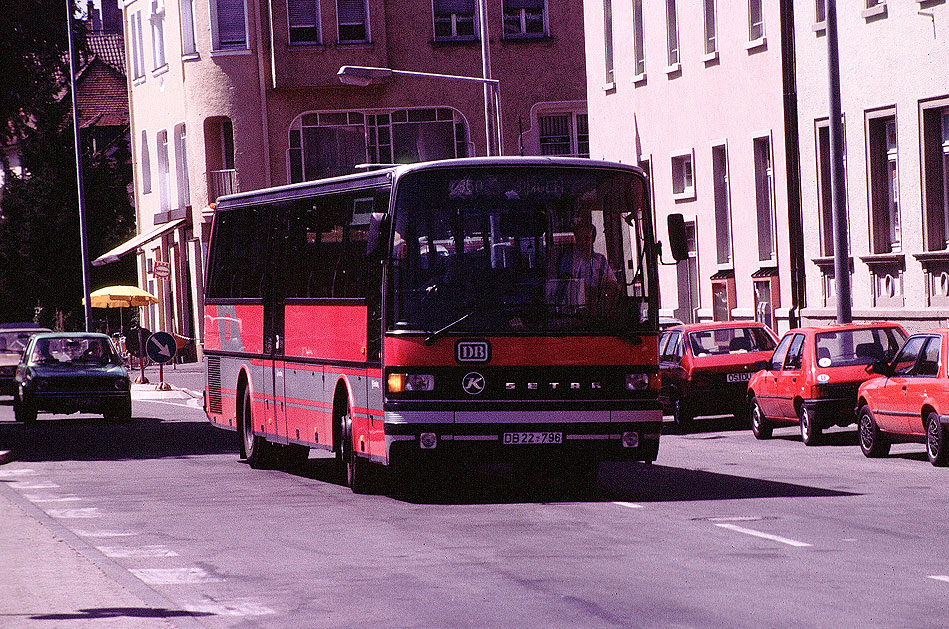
(880, 367)
(374, 236)
(678, 243)
(761, 365)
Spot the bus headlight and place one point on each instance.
(637, 381)
(402, 382)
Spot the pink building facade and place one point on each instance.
(236, 95)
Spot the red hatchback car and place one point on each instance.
(705, 367)
(813, 376)
(910, 403)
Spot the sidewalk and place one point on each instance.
(183, 382)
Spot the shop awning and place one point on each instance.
(135, 242)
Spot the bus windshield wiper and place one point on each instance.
(437, 334)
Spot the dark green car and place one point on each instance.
(63, 372)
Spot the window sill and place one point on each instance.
(609, 87)
(710, 57)
(876, 259)
(826, 263)
(138, 81)
(159, 71)
(756, 44)
(877, 11)
(819, 27)
(672, 69)
(932, 256)
(231, 53)
(639, 78)
(304, 46)
(454, 41)
(191, 56)
(688, 195)
(527, 38)
(354, 45)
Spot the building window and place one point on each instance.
(525, 18)
(672, 33)
(608, 39)
(764, 198)
(157, 20)
(724, 295)
(219, 163)
(820, 11)
(181, 166)
(723, 220)
(755, 20)
(137, 45)
(146, 165)
(711, 31)
(767, 297)
(687, 276)
(188, 46)
(884, 185)
(164, 173)
(683, 180)
(229, 24)
(564, 134)
(303, 18)
(639, 48)
(936, 174)
(454, 19)
(353, 21)
(333, 143)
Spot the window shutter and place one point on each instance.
(302, 12)
(230, 22)
(351, 11)
(464, 7)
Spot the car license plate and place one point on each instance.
(519, 438)
(739, 377)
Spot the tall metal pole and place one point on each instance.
(83, 244)
(491, 114)
(838, 201)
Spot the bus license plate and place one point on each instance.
(739, 377)
(518, 438)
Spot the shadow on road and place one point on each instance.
(67, 438)
(101, 613)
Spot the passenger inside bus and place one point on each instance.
(582, 277)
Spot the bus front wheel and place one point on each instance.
(357, 472)
(256, 449)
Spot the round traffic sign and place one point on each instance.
(161, 347)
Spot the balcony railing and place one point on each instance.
(223, 182)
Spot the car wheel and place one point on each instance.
(761, 428)
(23, 410)
(811, 433)
(121, 412)
(937, 441)
(682, 415)
(872, 442)
(257, 450)
(357, 468)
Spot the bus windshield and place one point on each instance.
(522, 249)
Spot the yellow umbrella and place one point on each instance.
(120, 297)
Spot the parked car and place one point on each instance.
(813, 376)
(70, 373)
(13, 340)
(668, 322)
(910, 401)
(705, 367)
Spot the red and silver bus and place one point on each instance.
(488, 309)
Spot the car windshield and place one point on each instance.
(858, 347)
(730, 341)
(73, 350)
(481, 250)
(14, 342)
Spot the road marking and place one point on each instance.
(87, 512)
(773, 538)
(121, 552)
(174, 576)
(16, 473)
(103, 533)
(230, 608)
(38, 498)
(629, 505)
(29, 485)
(939, 577)
(738, 518)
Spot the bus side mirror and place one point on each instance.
(374, 236)
(677, 240)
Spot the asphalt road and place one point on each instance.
(723, 531)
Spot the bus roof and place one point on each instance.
(381, 176)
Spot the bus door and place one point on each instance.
(274, 337)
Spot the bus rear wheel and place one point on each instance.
(255, 449)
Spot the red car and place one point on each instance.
(705, 367)
(813, 376)
(910, 403)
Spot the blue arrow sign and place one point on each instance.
(161, 347)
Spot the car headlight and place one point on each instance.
(637, 381)
(401, 382)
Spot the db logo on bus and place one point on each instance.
(473, 351)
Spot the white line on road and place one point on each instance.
(29, 485)
(37, 498)
(939, 577)
(103, 533)
(121, 552)
(230, 608)
(16, 473)
(87, 512)
(174, 576)
(773, 538)
(629, 505)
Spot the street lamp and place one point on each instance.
(365, 75)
